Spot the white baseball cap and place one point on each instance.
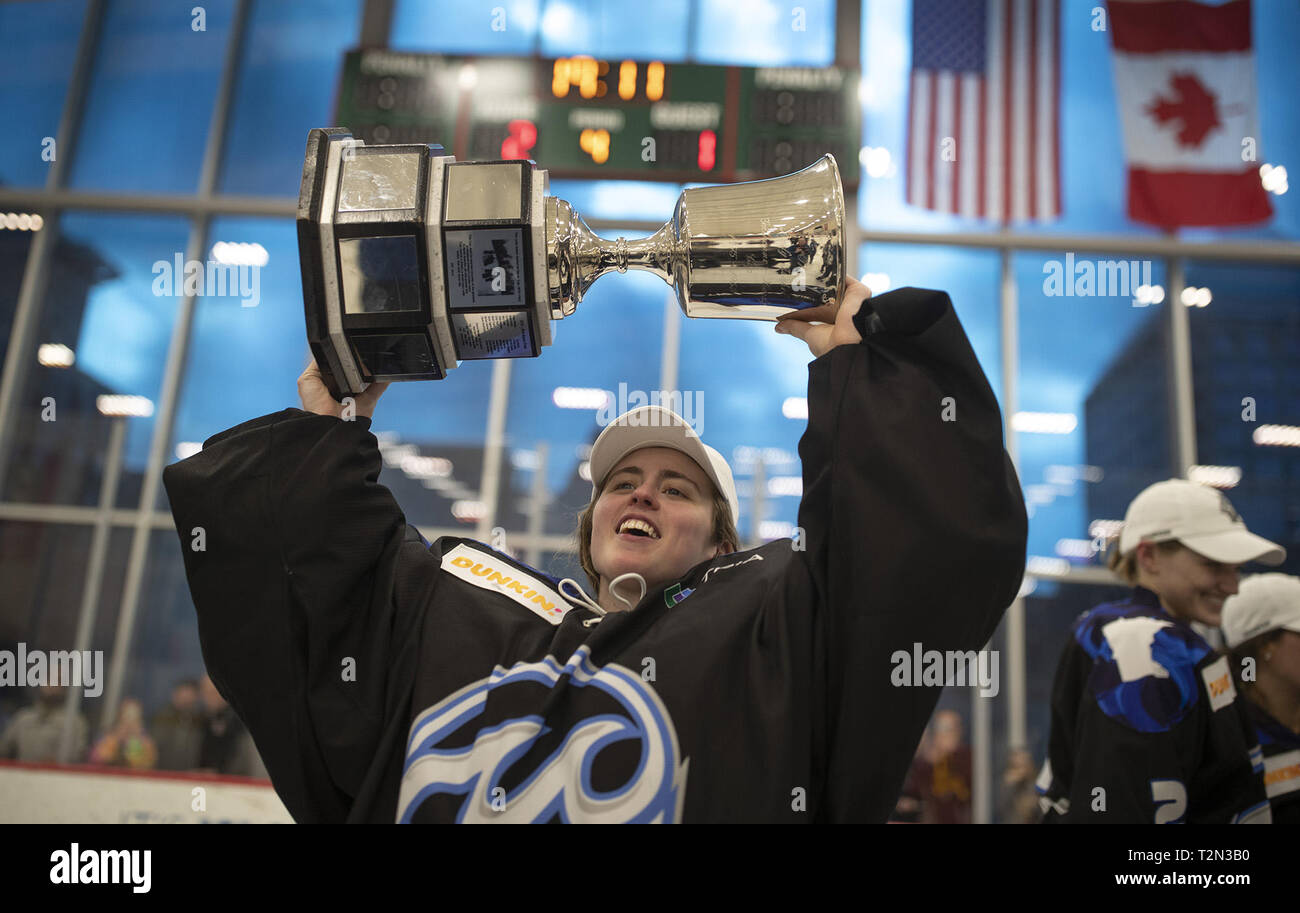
(655, 426)
(1199, 517)
(1263, 603)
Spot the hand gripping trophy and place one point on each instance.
(413, 262)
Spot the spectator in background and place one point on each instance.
(907, 810)
(226, 746)
(35, 732)
(178, 728)
(944, 773)
(126, 744)
(1019, 803)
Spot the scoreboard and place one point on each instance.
(583, 117)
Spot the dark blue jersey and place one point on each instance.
(1147, 726)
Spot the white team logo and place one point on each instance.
(561, 784)
(1130, 642)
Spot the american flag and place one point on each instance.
(984, 115)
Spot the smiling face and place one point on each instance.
(1190, 586)
(654, 517)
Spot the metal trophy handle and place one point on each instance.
(412, 261)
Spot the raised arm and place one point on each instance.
(290, 547)
(914, 523)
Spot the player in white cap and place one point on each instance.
(1146, 725)
(387, 678)
(669, 503)
(1261, 629)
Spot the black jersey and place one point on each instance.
(1147, 726)
(1280, 748)
(385, 678)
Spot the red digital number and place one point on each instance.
(708, 155)
(520, 141)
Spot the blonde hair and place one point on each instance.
(724, 532)
(1125, 567)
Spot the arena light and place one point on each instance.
(584, 471)
(1074, 548)
(1215, 476)
(1047, 567)
(425, 467)
(879, 283)
(1039, 493)
(589, 398)
(875, 160)
(1273, 177)
(743, 457)
(1195, 297)
(393, 454)
(526, 460)
(1105, 529)
(775, 529)
(121, 405)
(785, 486)
(1027, 586)
(1060, 476)
(795, 407)
(1149, 294)
(468, 511)
(187, 449)
(1044, 422)
(1277, 436)
(55, 355)
(21, 221)
(240, 253)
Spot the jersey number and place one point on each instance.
(1170, 797)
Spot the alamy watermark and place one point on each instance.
(213, 279)
(1072, 278)
(689, 404)
(38, 668)
(77, 866)
(920, 668)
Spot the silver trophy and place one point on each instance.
(413, 262)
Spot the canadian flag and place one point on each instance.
(1185, 77)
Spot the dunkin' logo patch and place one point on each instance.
(1218, 683)
(491, 573)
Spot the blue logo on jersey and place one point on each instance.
(561, 785)
(1150, 685)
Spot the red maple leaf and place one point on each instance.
(1192, 104)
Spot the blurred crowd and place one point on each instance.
(938, 785)
(196, 731)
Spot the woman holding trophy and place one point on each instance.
(386, 678)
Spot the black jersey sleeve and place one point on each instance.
(290, 546)
(915, 530)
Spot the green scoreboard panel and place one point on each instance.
(580, 117)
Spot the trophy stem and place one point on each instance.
(577, 256)
(653, 254)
